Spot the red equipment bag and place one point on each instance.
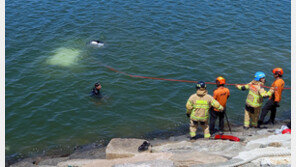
(288, 131)
(227, 137)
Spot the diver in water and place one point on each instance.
(96, 91)
(97, 43)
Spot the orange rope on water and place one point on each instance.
(164, 79)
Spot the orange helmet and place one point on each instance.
(221, 80)
(278, 71)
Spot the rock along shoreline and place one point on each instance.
(258, 147)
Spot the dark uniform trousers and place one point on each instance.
(269, 106)
(214, 114)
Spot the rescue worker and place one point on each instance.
(96, 91)
(198, 106)
(273, 102)
(221, 94)
(254, 99)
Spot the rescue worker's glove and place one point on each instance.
(188, 115)
(221, 109)
(276, 104)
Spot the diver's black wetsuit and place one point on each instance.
(96, 93)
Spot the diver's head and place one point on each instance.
(98, 85)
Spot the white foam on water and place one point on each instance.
(96, 44)
(64, 57)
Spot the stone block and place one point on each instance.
(194, 158)
(120, 148)
(153, 163)
(52, 161)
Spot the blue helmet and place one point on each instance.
(259, 75)
(201, 84)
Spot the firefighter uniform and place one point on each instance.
(254, 101)
(198, 106)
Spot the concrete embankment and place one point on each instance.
(258, 147)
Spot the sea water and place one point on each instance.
(51, 69)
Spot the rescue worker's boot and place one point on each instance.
(220, 132)
(193, 138)
(259, 124)
(246, 128)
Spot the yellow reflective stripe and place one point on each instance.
(201, 106)
(240, 87)
(207, 135)
(246, 123)
(246, 86)
(201, 102)
(254, 103)
(220, 107)
(207, 113)
(189, 102)
(189, 105)
(192, 134)
(269, 93)
(215, 103)
(192, 116)
(253, 94)
(254, 123)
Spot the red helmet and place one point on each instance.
(278, 71)
(221, 80)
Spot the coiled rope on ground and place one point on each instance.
(258, 153)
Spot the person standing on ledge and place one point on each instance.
(96, 91)
(198, 106)
(254, 99)
(275, 99)
(221, 94)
